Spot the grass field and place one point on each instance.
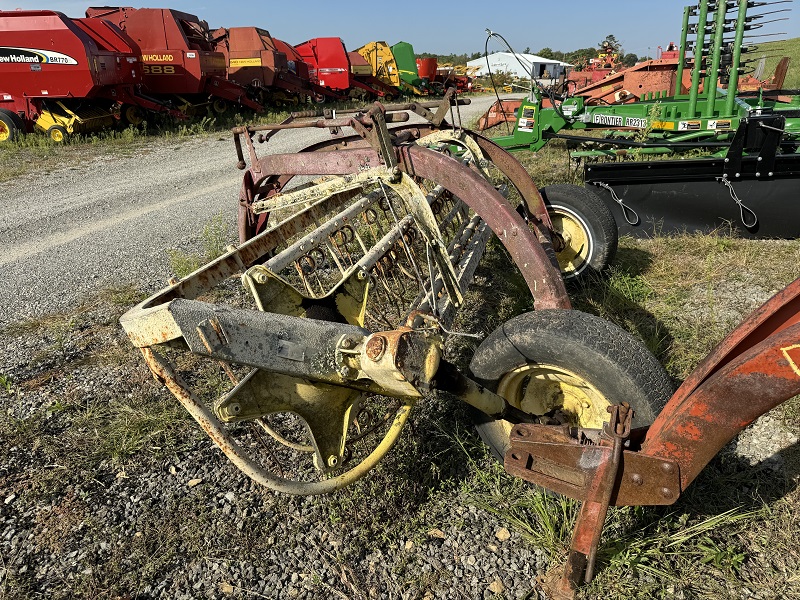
(774, 51)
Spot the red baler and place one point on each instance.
(63, 75)
(178, 57)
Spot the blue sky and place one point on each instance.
(445, 27)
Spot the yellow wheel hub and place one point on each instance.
(577, 243)
(133, 115)
(5, 132)
(539, 388)
(56, 135)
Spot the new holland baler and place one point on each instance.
(179, 60)
(65, 76)
(259, 62)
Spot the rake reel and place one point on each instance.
(350, 285)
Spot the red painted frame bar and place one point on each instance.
(751, 371)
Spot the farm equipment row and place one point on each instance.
(64, 76)
(750, 140)
(351, 284)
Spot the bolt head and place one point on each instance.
(333, 461)
(637, 479)
(375, 348)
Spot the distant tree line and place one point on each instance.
(455, 59)
(575, 57)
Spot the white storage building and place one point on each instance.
(547, 68)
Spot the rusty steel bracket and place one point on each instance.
(600, 474)
(564, 459)
(382, 137)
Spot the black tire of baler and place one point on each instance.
(18, 120)
(607, 357)
(14, 123)
(602, 228)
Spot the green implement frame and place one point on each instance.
(667, 122)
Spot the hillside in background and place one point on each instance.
(774, 51)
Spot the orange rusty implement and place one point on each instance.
(755, 368)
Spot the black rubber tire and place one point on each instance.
(57, 133)
(220, 106)
(601, 354)
(584, 208)
(13, 123)
(18, 120)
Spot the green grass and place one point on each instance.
(774, 51)
(214, 238)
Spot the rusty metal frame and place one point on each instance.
(754, 369)
(528, 241)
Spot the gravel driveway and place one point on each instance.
(68, 232)
(82, 514)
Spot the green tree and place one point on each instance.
(580, 57)
(630, 59)
(611, 40)
(546, 53)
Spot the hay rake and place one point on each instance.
(353, 280)
(351, 283)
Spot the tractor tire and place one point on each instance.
(565, 359)
(11, 126)
(585, 227)
(220, 106)
(18, 120)
(57, 133)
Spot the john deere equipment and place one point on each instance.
(750, 140)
